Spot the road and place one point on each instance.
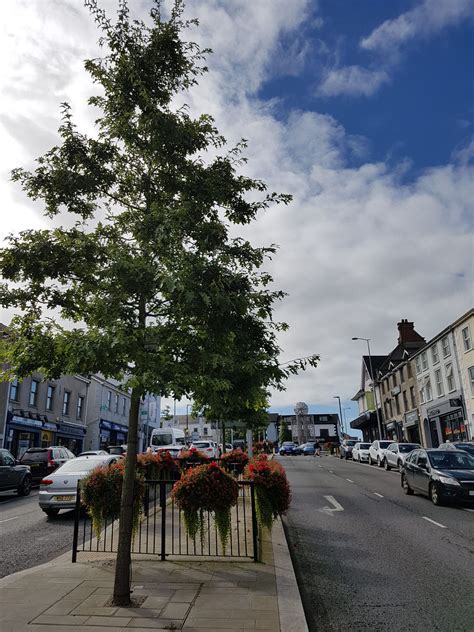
(27, 536)
(368, 557)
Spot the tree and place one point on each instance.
(166, 414)
(144, 284)
(285, 432)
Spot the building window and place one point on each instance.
(205, 431)
(439, 383)
(466, 338)
(116, 403)
(418, 364)
(424, 361)
(66, 402)
(422, 392)
(397, 404)
(428, 390)
(412, 396)
(14, 390)
(450, 377)
(387, 410)
(50, 397)
(80, 407)
(109, 400)
(124, 405)
(409, 371)
(471, 377)
(33, 393)
(434, 353)
(445, 346)
(405, 400)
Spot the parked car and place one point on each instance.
(44, 461)
(287, 448)
(442, 475)
(346, 447)
(209, 448)
(360, 452)
(59, 489)
(13, 476)
(459, 445)
(239, 443)
(92, 453)
(117, 449)
(309, 449)
(173, 450)
(377, 452)
(396, 453)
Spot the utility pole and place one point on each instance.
(374, 390)
(340, 416)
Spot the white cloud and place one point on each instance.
(352, 81)
(359, 248)
(427, 18)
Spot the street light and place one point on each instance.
(345, 419)
(374, 390)
(188, 406)
(340, 413)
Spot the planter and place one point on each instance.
(272, 490)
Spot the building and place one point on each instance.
(397, 387)
(367, 421)
(195, 427)
(150, 418)
(107, 414)
(38, 412)
(313, 427)
(437, 368)
(463, 330)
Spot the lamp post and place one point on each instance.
(374, 390)
(188, 406)
(340, 414)
(345, 419)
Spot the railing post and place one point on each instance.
(163, 519)
(77, 511)
(146, 499)
(254, 522)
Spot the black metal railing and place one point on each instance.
(161, 530)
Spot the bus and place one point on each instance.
(167, 438)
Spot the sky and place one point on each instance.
(361, 109)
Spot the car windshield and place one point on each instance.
(351, 442)
(80, 465)
(201, 444)
(466, 447)
(364, 446)
(288, 443)
(35, 457)
(407, 447)
(455, 460)
(385, 444)
(162, 439)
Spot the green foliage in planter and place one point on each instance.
(206, 488)
(272, 490)
(156, 466)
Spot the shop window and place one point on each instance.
(445, 346)
(434, 353)
(424, 361)
(471, 378)
(14, 390)
(66, 402)
(109, 400)
(80, 407)
(439, 383)
(33, 393)
(450, 377)
(116, 403)
(466, 338)
(124, 406)
(50, 397)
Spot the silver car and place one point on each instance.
(59, 489)
(396, 454)
(360, 452)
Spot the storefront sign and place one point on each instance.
(23, 421)
(411, 418)
(75, 431)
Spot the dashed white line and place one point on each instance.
(348, 479)
(8, 519)
(331, 472)
(438, 524)
(379, 495)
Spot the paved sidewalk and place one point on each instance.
(209, 596)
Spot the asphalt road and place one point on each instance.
(27, 536)
(369, 557)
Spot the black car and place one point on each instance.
(288, 448)
(459, 445)
(443, 475)
(43, 461)
(13, 476)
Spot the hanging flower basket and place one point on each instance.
(234, 461)
(206, 488)
(158, 466)
(101, 493)
(191, 458)
(272, 490)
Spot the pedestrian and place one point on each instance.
(317, 449)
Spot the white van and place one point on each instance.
(167, 439)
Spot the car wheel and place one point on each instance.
(406, 487)
(51, 513)
(346, 456)
(25, 487)
(386, 465)
(435, 495)
(341, 456)
(400, 466)
(370, 460)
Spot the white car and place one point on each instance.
(396, 454)
(173, 450)
(377, 452)
(59, 489)
(209, 448)
(360, 452)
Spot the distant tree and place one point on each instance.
(166, 414)
(285, 432)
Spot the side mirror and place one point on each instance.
(17, 462)
(423, 466)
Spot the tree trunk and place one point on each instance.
(223, 438)
(122, 566)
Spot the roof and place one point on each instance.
(377, 361)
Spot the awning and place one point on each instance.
(364, 420)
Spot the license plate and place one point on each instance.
(471, 492)
(64, 498)
(34, 464)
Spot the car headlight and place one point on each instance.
(447, 480)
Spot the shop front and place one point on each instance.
(112, 434)
(411, 427)
(447, 422)
(71, 436)
(394, 430)
(367, 424)
(22, 433)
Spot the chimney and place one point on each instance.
(407, 333)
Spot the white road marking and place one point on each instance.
(335, 506)
(8, 519)
(331, 472)
(348, 479)
(379, 495)
(434, 522)
(320, 466)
